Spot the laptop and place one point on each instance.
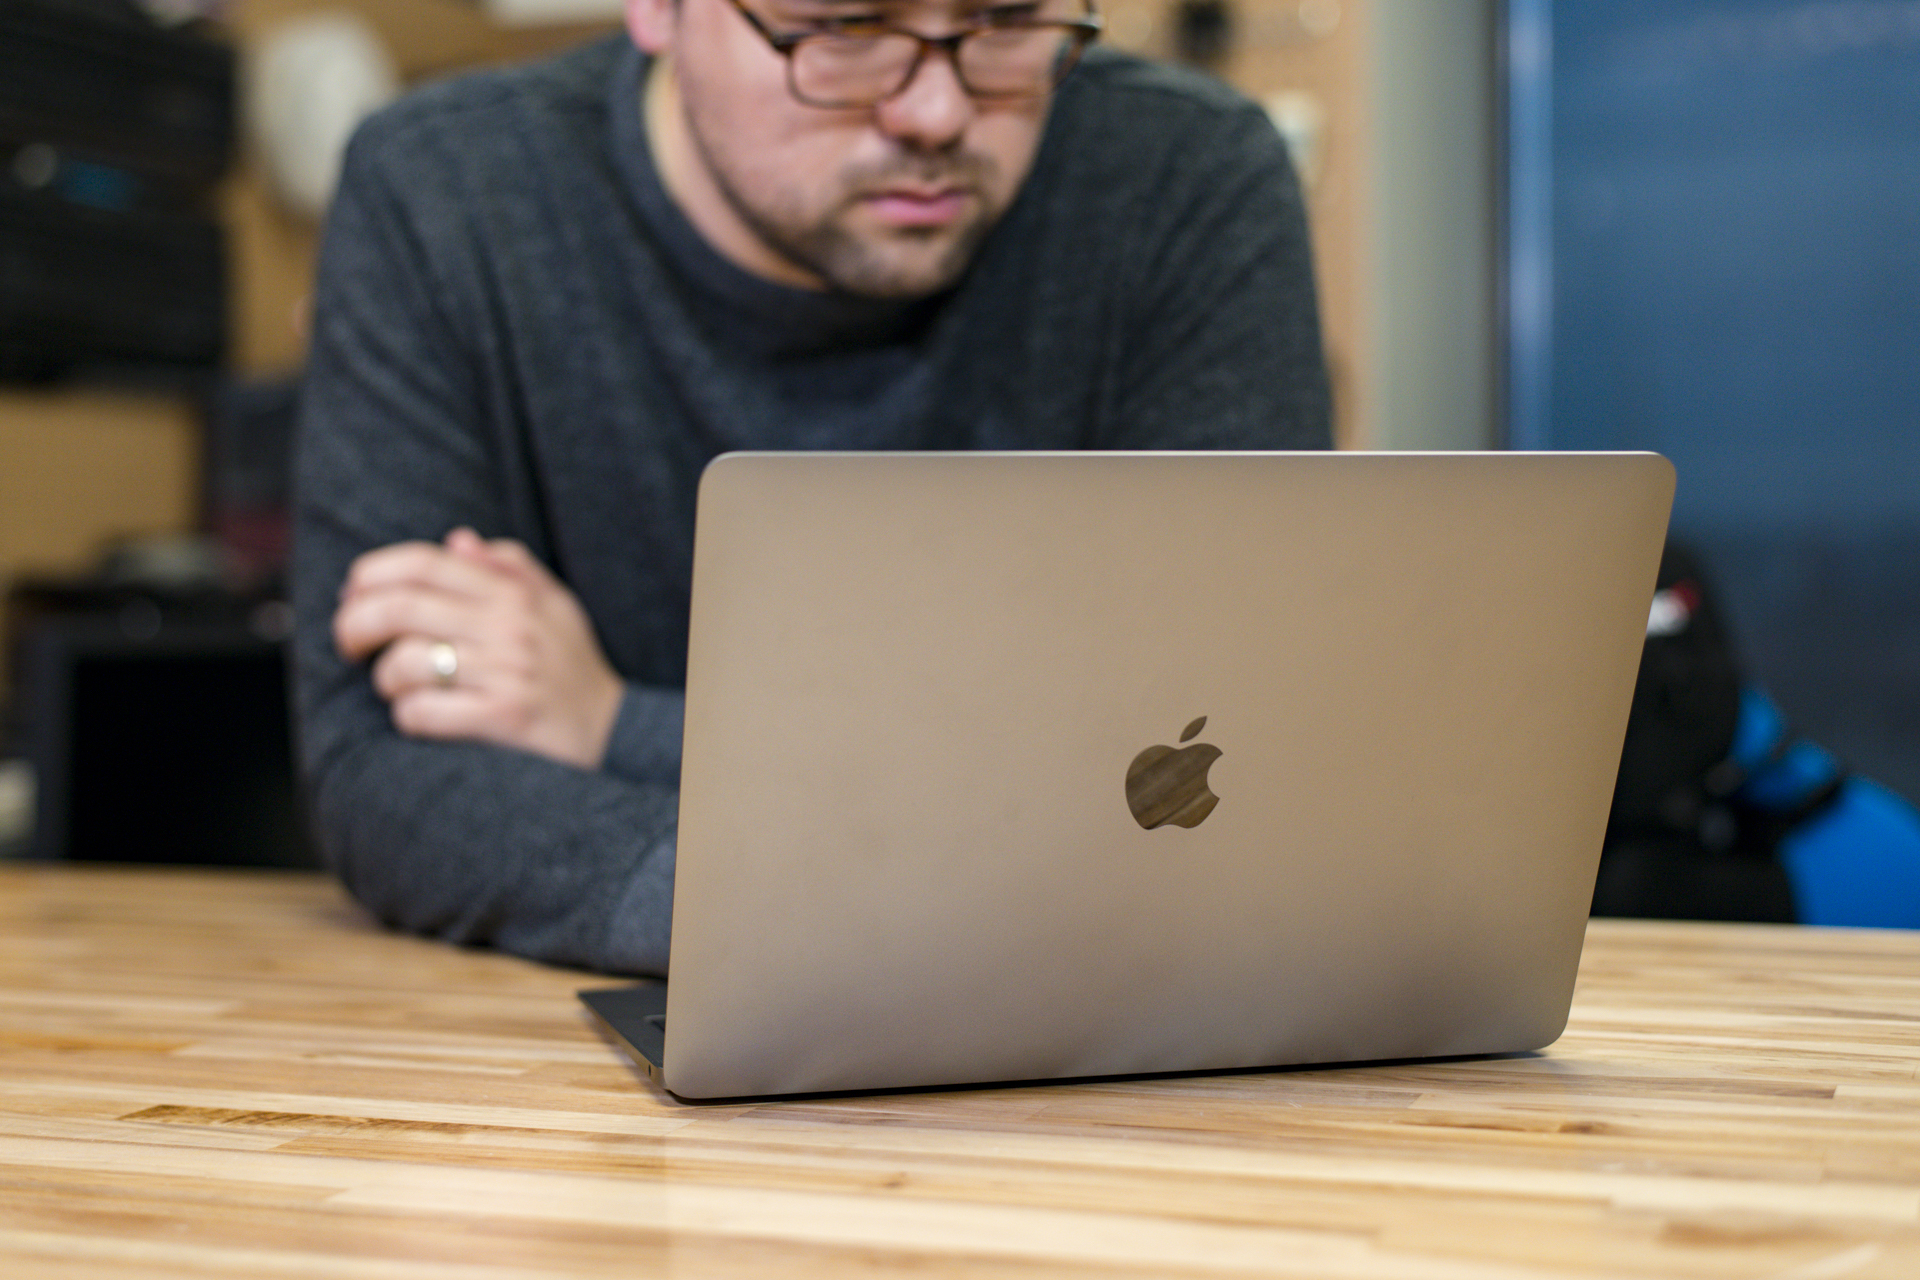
(1020, 767)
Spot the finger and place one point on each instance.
(409, 664)
(369, 621)
(385, 563)
(442, 714)
(469, 547)
(507, 555)
(417, 564)
(513, 557)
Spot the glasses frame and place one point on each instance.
(1080, 31)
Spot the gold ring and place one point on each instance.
(445, 662)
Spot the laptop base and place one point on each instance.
(637, 1017)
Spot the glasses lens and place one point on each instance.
(852, 70)
(1016, 61)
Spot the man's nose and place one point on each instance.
(934, 108)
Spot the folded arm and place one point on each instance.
(531, 805)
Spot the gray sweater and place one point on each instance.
(517, 330)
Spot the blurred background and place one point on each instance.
(1710, 252)
(1538, 224)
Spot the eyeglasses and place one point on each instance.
(1011, 52)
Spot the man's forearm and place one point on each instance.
(484, 845)
(645, 744)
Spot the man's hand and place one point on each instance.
(476, 640)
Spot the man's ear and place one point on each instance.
(651, 23)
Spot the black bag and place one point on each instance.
(1680, 844)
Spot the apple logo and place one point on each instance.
(1167, 785)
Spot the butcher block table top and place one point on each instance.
(218, 1073)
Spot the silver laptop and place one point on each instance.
(1011, 767)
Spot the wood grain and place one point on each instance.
(236, 1074)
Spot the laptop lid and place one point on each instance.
(1031, 766)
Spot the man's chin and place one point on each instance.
(899, 263)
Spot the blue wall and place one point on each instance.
(1716, 234)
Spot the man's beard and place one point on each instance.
(824, 246)
(859, 265)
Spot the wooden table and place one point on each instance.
(235, 1074)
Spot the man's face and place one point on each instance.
(885, 201)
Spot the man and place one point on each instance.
(549, 296)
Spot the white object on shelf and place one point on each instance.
(1302, 121)
(309, 84)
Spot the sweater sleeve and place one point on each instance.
(399, 439)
